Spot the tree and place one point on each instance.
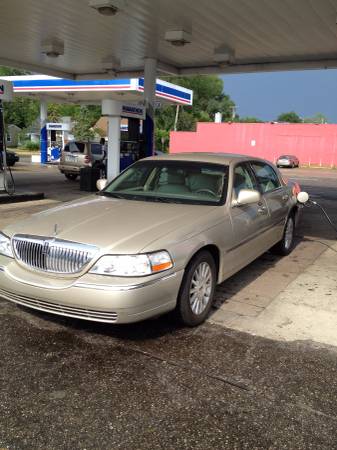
(208, 99)
(23, 111)
(85, 118)
(317, 118)
(289, 117)
(248, 119)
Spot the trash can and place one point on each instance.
(88, 179)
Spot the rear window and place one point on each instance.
(96, 149)
(74, 147)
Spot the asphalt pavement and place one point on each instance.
(71, 384)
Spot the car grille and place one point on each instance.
(52, 255)
(69, 311)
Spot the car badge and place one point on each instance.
(55, 230)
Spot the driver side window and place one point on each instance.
(242, 179)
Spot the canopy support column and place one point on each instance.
(150, 73)
(111, 109)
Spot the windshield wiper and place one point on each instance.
(165, 200)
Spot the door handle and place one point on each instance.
(262, 210)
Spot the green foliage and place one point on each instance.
(248, 119)
(29, 145)
(85, 118)
(289, 117)
(23, 111)
(208, 99)
(317, 118)
(58, 110)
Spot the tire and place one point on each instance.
(71, 176)
(293, 166)
(193, 313)
(286, 244)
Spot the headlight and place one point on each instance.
(5, 246)
(132, 265)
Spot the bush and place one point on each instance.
(30, 145)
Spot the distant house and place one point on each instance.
(101, 126)
(12, 136)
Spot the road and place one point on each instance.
(67, 383)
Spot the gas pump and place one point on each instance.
(6, 177)
(132, 143)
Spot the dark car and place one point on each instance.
(288, 161)
(11, 158)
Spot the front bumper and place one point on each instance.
(90, 297)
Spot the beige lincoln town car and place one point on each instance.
(159, 237)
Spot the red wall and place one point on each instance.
(312, 144)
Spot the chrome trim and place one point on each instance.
(62, 310)
(104, 287)
(48, 254)
(130, 287)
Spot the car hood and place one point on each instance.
(118, 225)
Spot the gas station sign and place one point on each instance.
(135, 111)
(58, 126)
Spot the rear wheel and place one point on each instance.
(286, 244)
(197, 290)
(71, 176)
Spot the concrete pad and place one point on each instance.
(305, 310)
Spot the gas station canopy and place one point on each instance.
(91, 39)
(94, 91)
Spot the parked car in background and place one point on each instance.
(11, 158)
(288, 161)
(77, 155)
(159, 237)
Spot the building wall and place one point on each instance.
(312, 144)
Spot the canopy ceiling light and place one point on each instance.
(52, 47)
(178, 38)
(223, 55)
(107, 7)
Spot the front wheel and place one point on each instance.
(286, 244)
(197, 290)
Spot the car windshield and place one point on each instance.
(172, 182)
(285, 156)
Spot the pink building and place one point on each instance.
(312, 144)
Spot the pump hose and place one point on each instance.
(312, 202)
(9, 186)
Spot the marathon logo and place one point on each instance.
(132, 110)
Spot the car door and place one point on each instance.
(275, 194)
(249, 222)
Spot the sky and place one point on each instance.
(266, 95)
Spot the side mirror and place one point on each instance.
(101, 184)
(247, 197)
(302, 197)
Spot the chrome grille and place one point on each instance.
(52, 255)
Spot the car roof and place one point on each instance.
(215, 158)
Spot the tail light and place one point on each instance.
(87, 159)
